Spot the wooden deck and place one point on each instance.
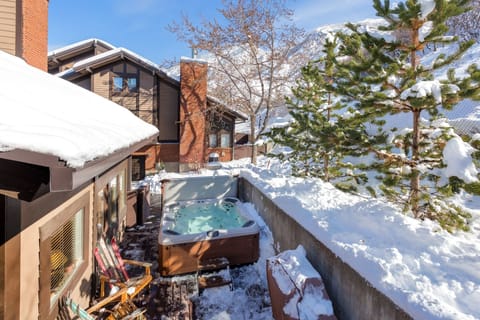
(167, 297)
(175, 298)
(171, 300)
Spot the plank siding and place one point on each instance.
(130, 68)
(128, 102)
(67, 63)
(118, 68)
(101, 83)
(85, 83)
(168, 112)
(146, 97)
(8, 26)
(100, 49)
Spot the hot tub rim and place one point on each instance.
(166, 240)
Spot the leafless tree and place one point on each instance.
(251, 46)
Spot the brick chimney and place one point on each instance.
(193, 105)
(25, 31)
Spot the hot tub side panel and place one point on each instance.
(183, 258)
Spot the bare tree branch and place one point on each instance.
(250, 51)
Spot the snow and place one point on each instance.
(423, 89)
(459, 163)
(428, 272)
(249, 298)
(110, 53)
(79, 44)
(427, 6)
(312, 303)
(42, 113)
(425, 30)
(197, 60)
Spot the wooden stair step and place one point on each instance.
(211, 280)
(213, 264)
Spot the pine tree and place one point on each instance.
(314, 137)
(380, 74)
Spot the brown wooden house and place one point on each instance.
(64, 169)
(191, 124)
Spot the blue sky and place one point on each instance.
(140, 25)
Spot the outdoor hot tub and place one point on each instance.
(200, 230)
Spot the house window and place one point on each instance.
(63, 252)
(111, 202)
(223, 137)
(66, 252)
(212, 140)
(124, 84)
(132, 84)
(225, 141)
(117, 84)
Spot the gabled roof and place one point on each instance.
(85, 66)
(234, 113)
(50, 122)
(78, 47)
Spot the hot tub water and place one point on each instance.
(206, 216)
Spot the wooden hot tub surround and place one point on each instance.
(180, 254)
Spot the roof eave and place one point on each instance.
(62, 54)
(64, 178)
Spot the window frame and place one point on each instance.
(48, 308)
(125, 90)
(210, 136)
(218, 135)
(222, 134)
(120, 198)
(220, 125)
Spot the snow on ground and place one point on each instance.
(249, 298)
(428, 272)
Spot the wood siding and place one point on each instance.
(147, 110)
(85, 83)
(128, 102)
(101, 83)
(168, 112)
(100, 49)
(67, 63)
(8, 26)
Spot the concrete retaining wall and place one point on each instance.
(353, 297)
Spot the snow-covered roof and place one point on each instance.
(78, 46)
(197, 60)
(112, 54)
(45, 114)
(235, 113)
(120, 53)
